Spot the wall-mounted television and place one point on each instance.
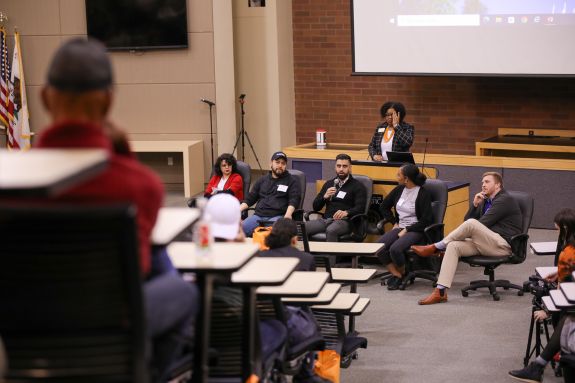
(138, 24)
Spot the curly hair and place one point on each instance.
(229, 159)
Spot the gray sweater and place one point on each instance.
(504, 217)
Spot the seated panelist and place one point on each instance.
(342, 197)
(226, 178)
(392, 135)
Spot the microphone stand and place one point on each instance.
(243, 133)
(211, 132)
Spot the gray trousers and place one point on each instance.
(332, 228)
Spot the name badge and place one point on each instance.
(282, 188)
(400, 202)
(380, 130)
(341, 194)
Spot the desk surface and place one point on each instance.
(46, 172)
(568, 289)
(342, 302)
(171, 222)
(559, 299)
(265, 271)
(542, 248)
(326, 295)
(548, 302)
(299, 284)
(545, 271)
(532, 140)
(348, 248)
(223, 257)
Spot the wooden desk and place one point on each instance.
(326, 295)
(193, 160)
(171, 222)
(47, 172)
(303, 284)
(271, 271)
(527, 146)
(343, 302)
(224, 259)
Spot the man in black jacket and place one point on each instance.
(489, 224)
(343, 197)
(278, 194)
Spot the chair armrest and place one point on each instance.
(519, 247)
(434, 232)
(307, 215)
(380, 225)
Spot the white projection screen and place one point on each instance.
(464, 37)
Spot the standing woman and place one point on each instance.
(226, 178)
(392, 135)
(413, 214)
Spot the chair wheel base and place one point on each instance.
(496, 297)
(465, 294)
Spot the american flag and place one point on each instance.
(6, 102)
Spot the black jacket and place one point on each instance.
(306, 262)
(272, 201)
(503, 217)
(423, 210)
(353, 202)
(402, 139)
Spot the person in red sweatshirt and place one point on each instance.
(78, 96)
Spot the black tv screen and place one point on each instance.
(138, 24)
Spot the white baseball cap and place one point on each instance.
(223, 213)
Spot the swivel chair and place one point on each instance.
(518, 253)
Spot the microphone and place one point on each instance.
(242, 96)
(424, 153)
(337, 184)
(210, 103)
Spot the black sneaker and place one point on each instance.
(394, 283)
(532, 373)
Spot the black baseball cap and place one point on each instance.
(277, 155)
(80, 65)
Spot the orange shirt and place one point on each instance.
(566, 263)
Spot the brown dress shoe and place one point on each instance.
(425, 251)
(434, 297)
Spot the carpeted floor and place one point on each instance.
(473, 339)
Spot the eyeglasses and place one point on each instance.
(389, 115)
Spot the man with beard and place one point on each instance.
(277, 195)
(343, 197)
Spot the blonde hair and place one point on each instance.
(496, 176)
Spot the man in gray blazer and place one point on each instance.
(489, 224)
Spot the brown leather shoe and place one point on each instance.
(426, 251)
(434, 297)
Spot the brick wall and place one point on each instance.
(453, 112)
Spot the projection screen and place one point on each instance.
(464, 37)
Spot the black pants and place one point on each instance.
(554, 344)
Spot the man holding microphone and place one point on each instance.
(343, 197)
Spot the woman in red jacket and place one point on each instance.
(226, 178)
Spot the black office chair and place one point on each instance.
(518, 253)
(71, 306)
(246, 172)
(358, 222)
(428, 268)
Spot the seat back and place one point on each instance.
(438, 191)
(519, 247)
(71, 295)
(368, 184)
(246, 172)
(300, 176)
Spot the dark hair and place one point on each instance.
(229, 159)
(385, 107)
(344, 157)
(399, 108)
(496, 176)
(282, 232)
(565, 219)
(412, 172)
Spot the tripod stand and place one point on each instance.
(244, 134)
(535, 329)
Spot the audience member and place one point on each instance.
(393, 134)
(565, 219)
(343, 198)
(277, 195)
(226, 178)
(225, 218)
(78, 96)
(412, 205)
(281, 242)
(489, 224)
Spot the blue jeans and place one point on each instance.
(251, 223)
(171, 305)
